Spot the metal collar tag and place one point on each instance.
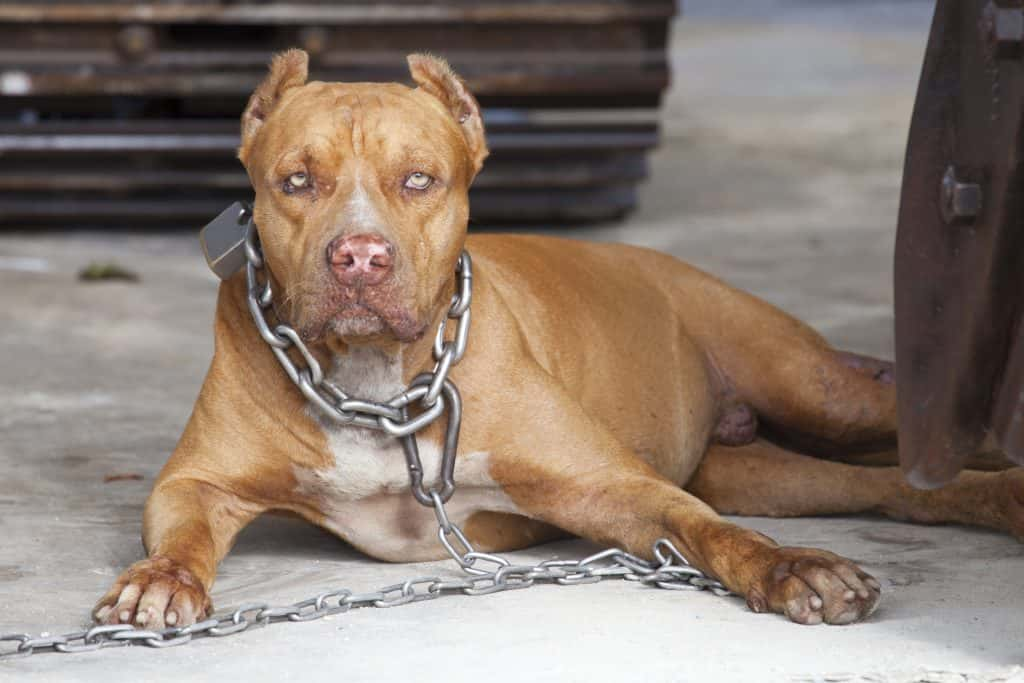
(223, 240)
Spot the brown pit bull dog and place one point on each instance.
(610, 392)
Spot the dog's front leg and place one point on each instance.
(188, 527)
(564, 468)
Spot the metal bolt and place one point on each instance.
(960, 202)
(1003, 28)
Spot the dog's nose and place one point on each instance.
(360, 257)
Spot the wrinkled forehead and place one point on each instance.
(380, 120)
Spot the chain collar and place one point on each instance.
(431, 392)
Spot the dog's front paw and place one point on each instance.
(814, 586)
(154, 593)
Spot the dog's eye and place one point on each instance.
(296, 181)
(418, 181)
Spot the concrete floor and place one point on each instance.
(780, 171)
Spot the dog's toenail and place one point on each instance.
(816, 602)
(171, 618)
(845, 618)
(125, 615)
(103, 612)
(849, 596)
(873, 583)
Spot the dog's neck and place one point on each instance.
(380, 370)
(368, 372)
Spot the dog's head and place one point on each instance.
(362, 195)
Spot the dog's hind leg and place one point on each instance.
(818, 395)
(806, 395)
(881, 449)
(788, 373)
(764, 479)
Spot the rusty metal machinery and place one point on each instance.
(127, 111)
(960, 247)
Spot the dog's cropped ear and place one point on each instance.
(434, 76)
(289, 69)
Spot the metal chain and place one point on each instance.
(487, 574)
(433, 393)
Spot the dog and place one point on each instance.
(610, 392)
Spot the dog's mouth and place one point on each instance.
(363, 314)
(358, 319)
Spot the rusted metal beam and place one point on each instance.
(110, 172)
(184, 209)
(366, 12)
(565, 81)
(204, 141)
(960, 247)
(154, 90)
(622, 169)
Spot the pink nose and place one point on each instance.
(365, 258)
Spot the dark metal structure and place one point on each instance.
(113, 110)
(960, 246)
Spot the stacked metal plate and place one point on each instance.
(127, 112)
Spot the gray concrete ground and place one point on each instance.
(780, 171)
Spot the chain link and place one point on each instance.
(432, 393)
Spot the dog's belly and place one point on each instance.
(365, 498)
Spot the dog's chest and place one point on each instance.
(364, 496)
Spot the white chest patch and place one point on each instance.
(365, 496)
